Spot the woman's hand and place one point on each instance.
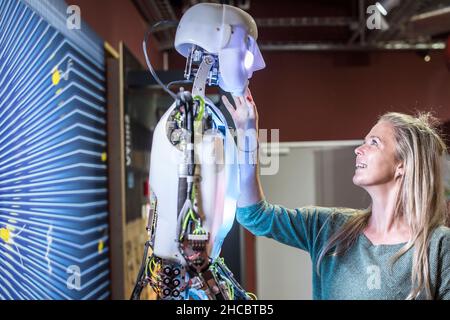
(245, 118)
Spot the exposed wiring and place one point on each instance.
(147, 59)
(215, 268)
(219, 267)
(151, 270)
(179, 82)
(201, 111)
(252, 296)
(189, 215)
(154, 266)
(194, 192)
(146, 266)
(140, 281)
(230, 288)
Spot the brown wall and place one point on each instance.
(308, 97)
(116, 20)
(332, 96)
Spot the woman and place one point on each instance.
(398, 248)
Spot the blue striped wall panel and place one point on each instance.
(53, 174)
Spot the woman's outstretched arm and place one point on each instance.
(245, 118)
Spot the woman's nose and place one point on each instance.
(359, 150)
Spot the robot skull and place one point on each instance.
(228, 33)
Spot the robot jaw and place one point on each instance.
(193, 61)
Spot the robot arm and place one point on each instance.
(194, 171)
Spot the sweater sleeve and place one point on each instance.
(305, 228)
(444, 257)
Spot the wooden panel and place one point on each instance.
(134, 249)
(116, 176)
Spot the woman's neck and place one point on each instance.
(385, 224)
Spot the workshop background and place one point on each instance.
(78, 107)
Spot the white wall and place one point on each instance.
(309, 174)
(283, 272)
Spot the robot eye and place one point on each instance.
(248, 61)
(249, 57)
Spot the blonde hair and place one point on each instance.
(420, 200)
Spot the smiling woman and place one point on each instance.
(399, 247)
(400, 166)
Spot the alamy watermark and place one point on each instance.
(235, 147)
(74, 279)
(374, 277)
(73, 21)
(376, 20)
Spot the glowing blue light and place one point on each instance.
(248, 62)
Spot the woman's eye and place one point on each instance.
(373, 142)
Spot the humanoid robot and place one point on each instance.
(194, 167)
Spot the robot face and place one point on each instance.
(238, 60)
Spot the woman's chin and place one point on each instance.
(357, 181)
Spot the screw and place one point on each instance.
(209, 60)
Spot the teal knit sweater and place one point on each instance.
(364, 271)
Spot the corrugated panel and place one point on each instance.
(53, 174)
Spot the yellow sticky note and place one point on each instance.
(4, 234)
(104, 156)
(56, 77)
(101, 245)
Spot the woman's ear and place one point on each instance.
(399, 170)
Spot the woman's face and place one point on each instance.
(376, 164)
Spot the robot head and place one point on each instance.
(226, 32)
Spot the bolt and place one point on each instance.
(209, 60)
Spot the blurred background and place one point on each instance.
(78, 108)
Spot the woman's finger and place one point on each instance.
(228, 105)
(253, 112)
(241, 104)
(250, 110)
(237, 100)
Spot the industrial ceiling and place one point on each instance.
(325, 25)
